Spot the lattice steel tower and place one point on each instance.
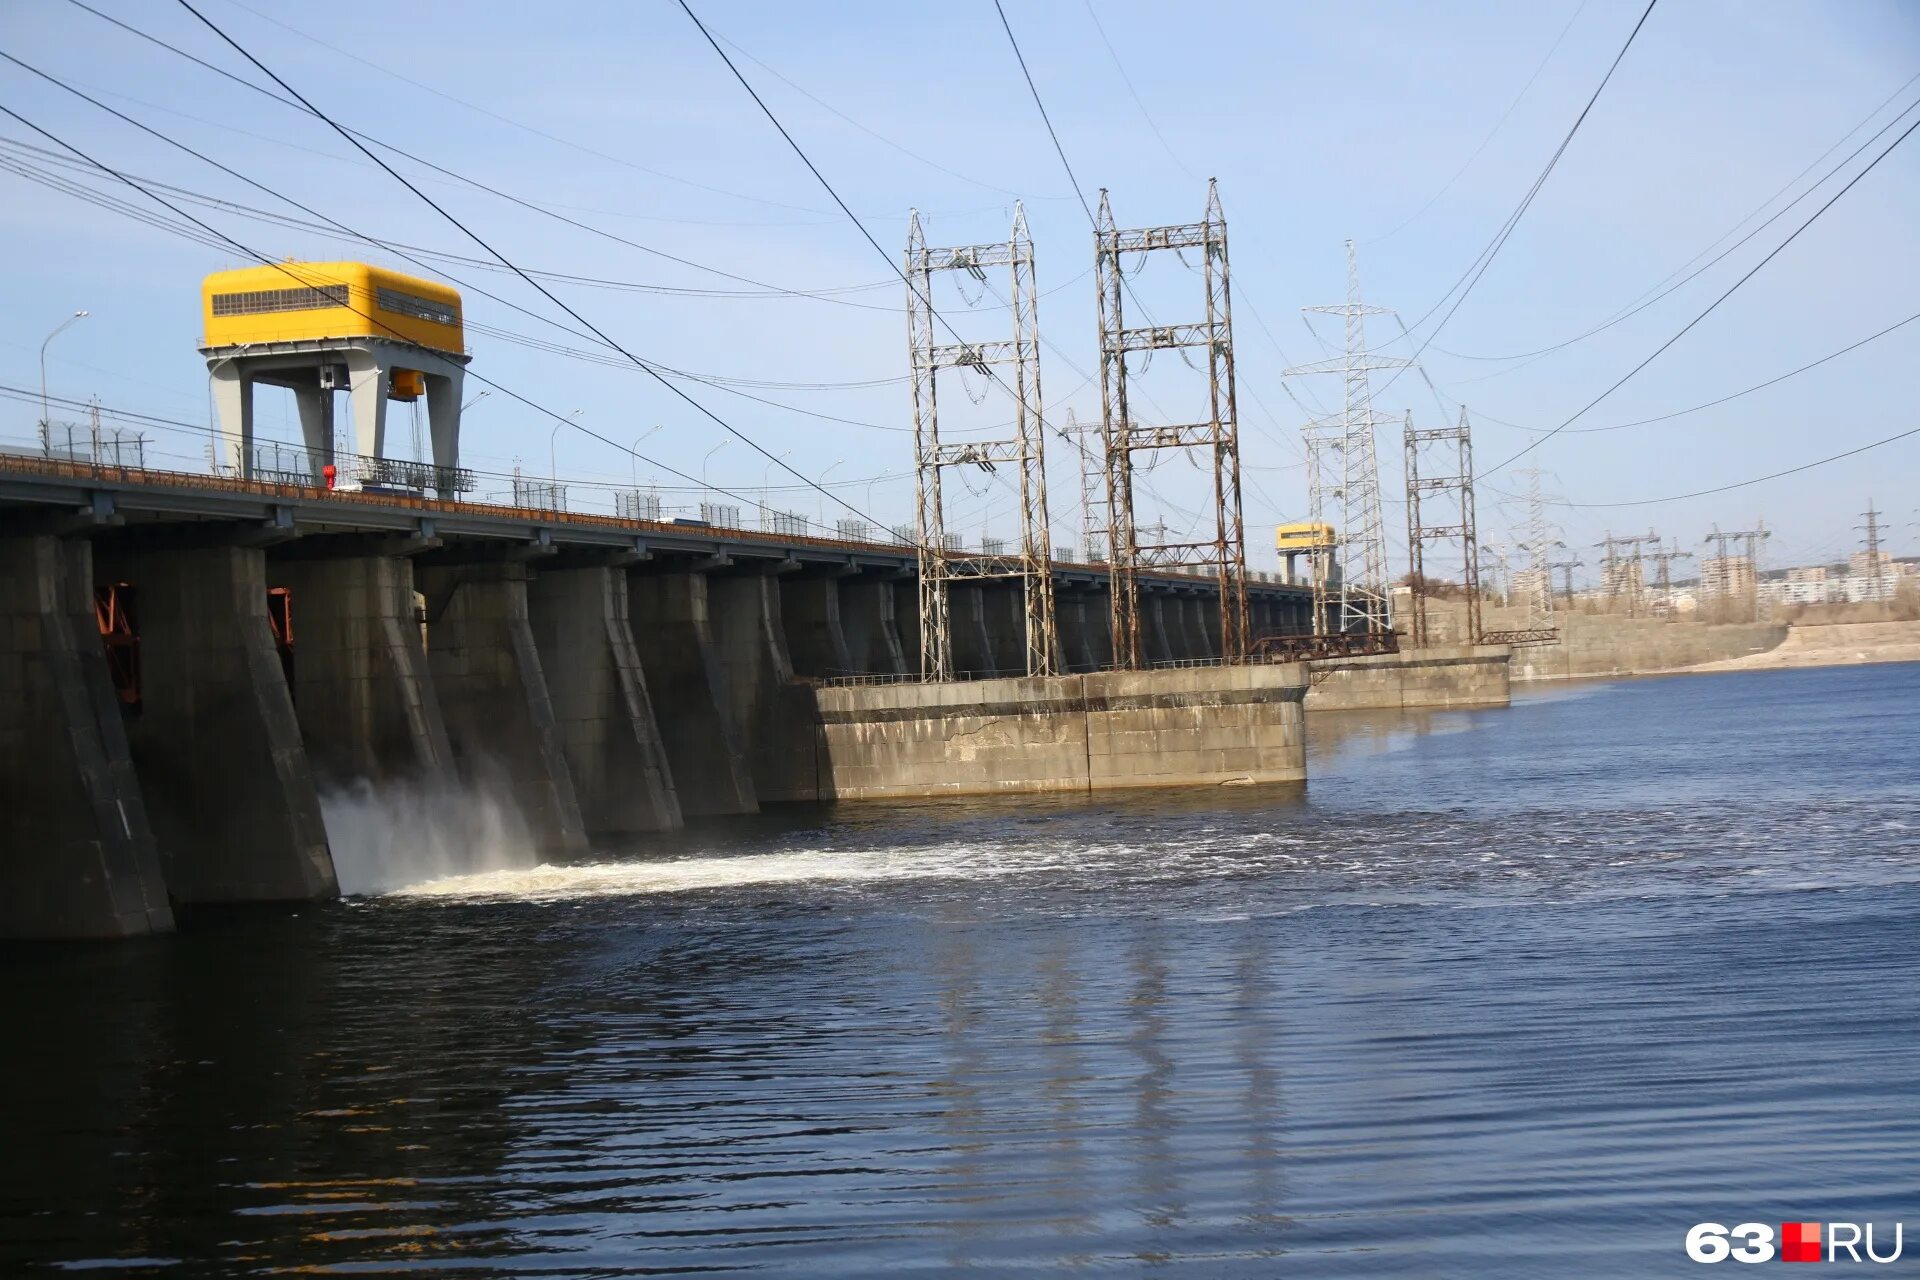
(1093, 488)
(1226, 551)
(1463, 531)
(1031, 567)
(1322, 436)
(1364, 587)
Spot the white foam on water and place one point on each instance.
(679, 875)
(389, 835)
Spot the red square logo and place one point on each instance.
(1799, 1242)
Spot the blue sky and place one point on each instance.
(1321, 123)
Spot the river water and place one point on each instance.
(1509, 993)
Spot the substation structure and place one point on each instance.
(1124, 435)
(1024, 450)
(189, 661)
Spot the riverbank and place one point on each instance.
(1838, 644)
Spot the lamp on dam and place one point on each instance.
(46, 415)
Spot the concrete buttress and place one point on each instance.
(217, 744)
(600, 699)
(772, 713)
(77, 857)
(673, 630)
(868, 618)
(816, 638)
(493, 691)
(366, 704)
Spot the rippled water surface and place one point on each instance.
(1511, 993)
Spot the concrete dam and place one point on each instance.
(187, 662)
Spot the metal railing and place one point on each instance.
(122, 466)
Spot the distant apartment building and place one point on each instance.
(1727, 576)
(1532, 584)
(1621, 578)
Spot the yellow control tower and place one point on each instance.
(322, 327)
(1312, 539)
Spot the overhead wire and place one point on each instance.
(291, 274)
(1067, 165)
(732, 387)
(821, 178)
(1712, 306)
(1745, 391)
(772, 459)
(511, 122)
(31, 395)
(1658, 292)
(1742, 484)
(1478, 268)
(356, 136)
(1491, 133)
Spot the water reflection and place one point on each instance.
(1432, 1014)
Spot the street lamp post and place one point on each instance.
(553, 464)
(633, 454)
(703, 462)
(823, 492)
(46, 415)
(766, 483)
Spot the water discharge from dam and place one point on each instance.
(1492, 984)
(396, 833)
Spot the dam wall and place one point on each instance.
(1103, 731)
(177, 699)
(1437, 676)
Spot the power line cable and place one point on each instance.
(772, 458)
(508, 335)
(1478, 268)
(510, 121)
(292, 275)
(1491, 133)
(475, 183)
(1731, 290)
(1747, 391)
(1655, 295)
(1742, 484)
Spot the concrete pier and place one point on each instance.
(869, 620)
(1076, 622)
(77, 857)
(672, 628)
(906, 623)
(1004, 609)
(493, 692)
(365, 701)
(967, 626)
(1440, 676)
(772, 713)
(1156, 639)
(601, 702)
(810, 613)
(216, 744)
(1205, 726)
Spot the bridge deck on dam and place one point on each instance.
(92, 496)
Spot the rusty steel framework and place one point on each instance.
(1365, 604)
(1459, 481)
(1024, 449)
(1226, 551)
